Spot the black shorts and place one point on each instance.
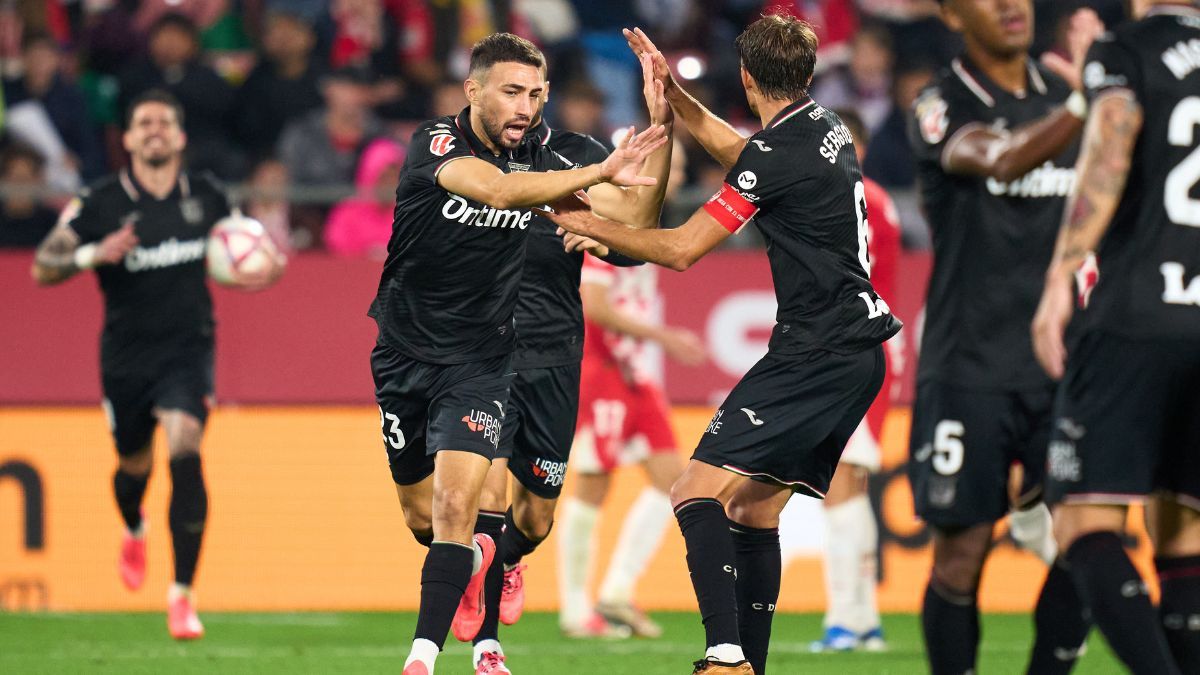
(787, 421)
(1127, 422)
(539, 425)
(427, 407)
(182, 382)
(964, 442)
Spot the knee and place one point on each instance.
(455, 507)
(417, 518)
(753, 514)
(534, 519)
(492, 500)
(958, 572)
(138, 464)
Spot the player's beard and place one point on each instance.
(495, 128)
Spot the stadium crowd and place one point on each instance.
(304, 106)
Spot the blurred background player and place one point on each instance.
(994, 139)
(1126, 425)
(624, 417)
(851, 535)
(543, 399)
(144, 232)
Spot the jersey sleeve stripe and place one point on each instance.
(438, 169)
(730, 209)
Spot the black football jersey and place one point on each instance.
(992, 241)
(799, 180)
(1149, 259)
(549, 313)
(156, 301)
(449, 284)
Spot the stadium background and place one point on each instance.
(303, 516)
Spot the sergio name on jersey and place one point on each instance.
(450, 281)
(156, 301)
(799, 180)
(1150, 257)
(992, 241)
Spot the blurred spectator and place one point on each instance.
(321, 147)
(24, 219)
(267, 203)
(202, 14)
(448, 99)
(580, 108)
(41, 80)
(864, 83)
(173, 63)
(889, 159)
(608, 59)
(362, 225)
(283, 86)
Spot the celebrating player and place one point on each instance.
(445, 310)
(624, 417)
(539, 420)
(995, 148)
(144, 233)
(851, 535)
(784, 425)
(1126, 423)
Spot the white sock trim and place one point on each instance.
(725, 652)
(485, 646)
(424, 651)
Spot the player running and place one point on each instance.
(543, 399)
(1126, 423)
(851, 534)
(995, 149)
(144, 232)
(784, 425)
(624, 417)
(445, 310)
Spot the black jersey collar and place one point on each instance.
(792, 109)
(540, 132)
(477, 146)
(988, 91)
(135, 191)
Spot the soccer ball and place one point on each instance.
(238, 245)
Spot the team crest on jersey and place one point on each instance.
(931, 118)
(747, 180)
(441, 144)
(192, 210)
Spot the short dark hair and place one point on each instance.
(780, 53)
(154, 96)
(18, 151)
(501, 48)
(35, 37)
(175, 20)
(854, 122)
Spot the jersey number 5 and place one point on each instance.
(1181, 208)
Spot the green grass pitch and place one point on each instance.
(378, 642)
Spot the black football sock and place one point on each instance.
(1119, 602)
(444, 577)
(712, 561)
(129, 490)
(423, 538)
(1061, 624)
(950, 623)
(515, 545)
(491, 524)
(1179, 607)
(187, 513)
(759, 567)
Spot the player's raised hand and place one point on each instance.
(577, 242)
(656, 98)
(1082, 30)
(1050, 324)
(641, 45)
(622, 166)
(113, 248)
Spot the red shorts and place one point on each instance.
(619, 422)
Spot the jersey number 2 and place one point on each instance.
(1181, 208)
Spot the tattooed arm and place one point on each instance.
(1101, 173)
(60, 256)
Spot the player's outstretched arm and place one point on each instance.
(478, 180)
(1102, 172)
(717, 137)
(677, 248)
(642, 206)
(60, 256)
(1006, 156)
